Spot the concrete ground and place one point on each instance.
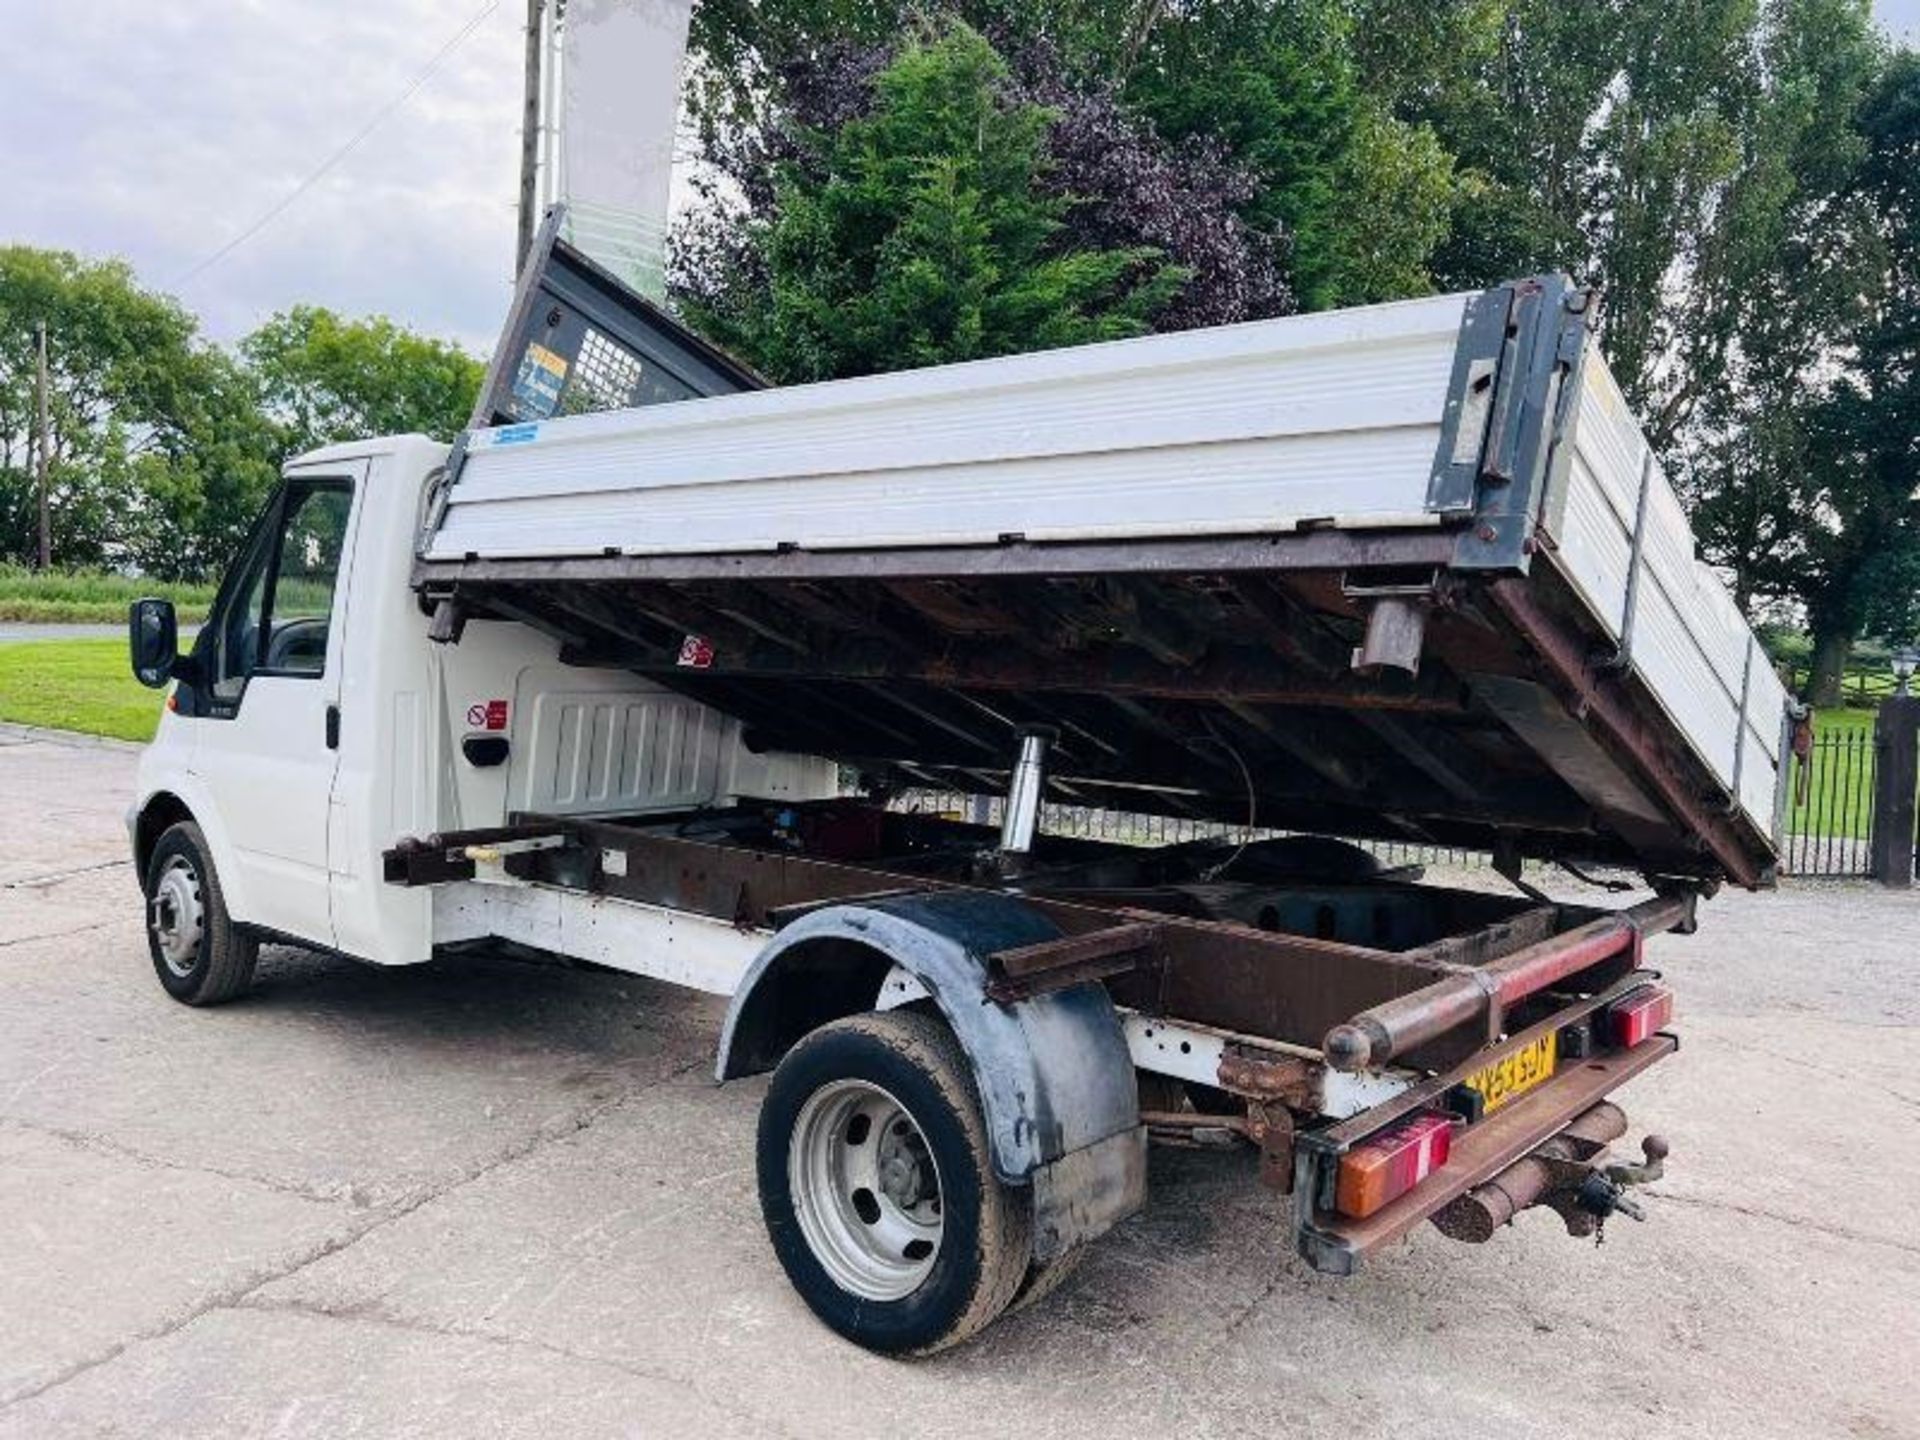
(493, 1199)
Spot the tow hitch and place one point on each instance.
(1567, 1175)
(1604, 1192)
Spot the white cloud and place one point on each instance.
(157, 133)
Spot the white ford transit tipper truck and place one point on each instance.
(636, 672)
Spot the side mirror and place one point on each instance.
(153, 638)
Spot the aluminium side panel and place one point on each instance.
(1624, 543)
(1244, 429)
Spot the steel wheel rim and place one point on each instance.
(865, 1190)
(177, 915)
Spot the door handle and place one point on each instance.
(333, 727)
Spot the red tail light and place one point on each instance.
(1385, 1166)
(1635, 1016)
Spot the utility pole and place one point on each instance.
(46, 450)
(530, 137)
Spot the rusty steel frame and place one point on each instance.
(1286, 988)
(859, 627)
(1485, 992)
(1271, 989)
(1031, 970)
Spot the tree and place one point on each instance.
(321, 378)
(1863, 478)
(1244, 111)
(133, 396)
(164, 447)
(1802, 469)
(1362, 195)
(917, 232)
(1598, 139)
(195, 510)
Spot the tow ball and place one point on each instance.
(1604, 1192)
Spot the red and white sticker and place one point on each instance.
(487, 715)
(696, 653)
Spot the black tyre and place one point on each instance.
(878, 1188)
(1042, 1280)
(200, 955)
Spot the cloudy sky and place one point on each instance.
(160, 131)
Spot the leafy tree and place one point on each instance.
(1860, 491)
(1246, 110)
(196, 509)
(133, 398)
(1599, 139)
(322, 378)
(916, 233)
(1804, 429)
(1362, 195)
(165, 447)
(1128, 188)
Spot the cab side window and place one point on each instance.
(304, 573)
(276, 621)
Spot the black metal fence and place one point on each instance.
(1830, 809)
(1132, 829)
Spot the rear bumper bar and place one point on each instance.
(1334, 1243)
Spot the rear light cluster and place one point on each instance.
(1387, 1165)
(1636, 1015)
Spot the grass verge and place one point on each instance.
(82, 685)
(89, 597)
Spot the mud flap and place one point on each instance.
(1082, 1195)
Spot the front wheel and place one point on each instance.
(200, 955)
(878, 1189)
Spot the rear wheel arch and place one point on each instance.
(792, 990)
(1053, 1072)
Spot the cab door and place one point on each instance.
(270, 661)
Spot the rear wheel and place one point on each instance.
(200, 955)
(878, 1189)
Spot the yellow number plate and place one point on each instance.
(1517, 1073)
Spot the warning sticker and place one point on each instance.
(487, 715)
(696, 653)
(537, 383)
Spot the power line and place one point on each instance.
(320, 172)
